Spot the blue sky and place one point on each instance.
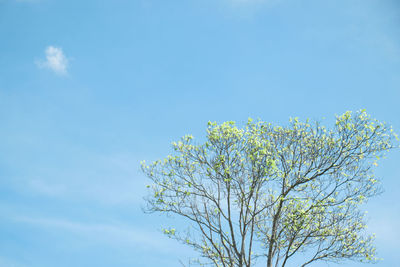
(90, 88)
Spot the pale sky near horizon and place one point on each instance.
(88, 89)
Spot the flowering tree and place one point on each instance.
(269, 192)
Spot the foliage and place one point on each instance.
(269, 192)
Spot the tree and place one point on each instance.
(271, 192)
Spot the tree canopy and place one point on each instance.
(266, 193)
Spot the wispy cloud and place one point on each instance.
(55, 60)
(46, 188)
(247, 1)
(110, 179)
(109, 233)
(386, 229)
(252, 2)
(27, 1)
(6, 262)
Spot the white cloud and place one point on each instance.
(247, 1)
(252, 2)
(386, 229)
(110, 179)
(6, 262)
(55, 60)
(110, 233)
(27, 1)
(43, 187)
